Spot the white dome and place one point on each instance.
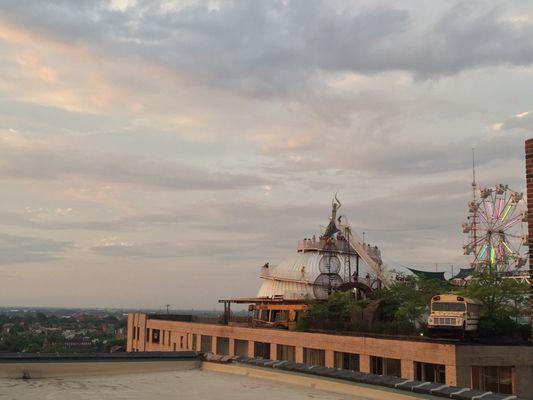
(293, 277)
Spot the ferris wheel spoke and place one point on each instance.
(483, 251)
(487, 205)
(509, 248)
(498, 208)
(506, 212)
(507, 206)
(513, 236)
(492, 254)
(501, 252)
(479, 240)
(512, 222)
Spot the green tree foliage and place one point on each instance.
(335, 313)
(504, 306)
(500, 297)
(395, 309)
(406, 302)
(21, 343)
(403, 304)
(401, 307)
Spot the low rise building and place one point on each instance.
(504, 369)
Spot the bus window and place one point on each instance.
(442, 306)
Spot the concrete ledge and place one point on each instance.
(426, 388)
(96, 357)
(26, 366)
(315, 382)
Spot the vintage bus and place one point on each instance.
(281, 315)
(453, 315)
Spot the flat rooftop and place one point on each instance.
(186, 384)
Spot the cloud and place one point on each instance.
(522, 122)
(55, 161)
(397, 155)
(197, 134)
(203, 249)
(24, 249)
(275, 48)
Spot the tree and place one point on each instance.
(407, 301)
(334, 313)
(504, 306)
(500, 297)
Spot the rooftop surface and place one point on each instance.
(190, 384)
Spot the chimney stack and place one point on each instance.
(529, 185)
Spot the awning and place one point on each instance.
(428, 274)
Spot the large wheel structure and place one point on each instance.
(496, 230)
(325, 284)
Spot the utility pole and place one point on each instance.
(167, 306)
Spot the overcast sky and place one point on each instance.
(156, 152)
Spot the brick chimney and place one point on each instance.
(529, 185)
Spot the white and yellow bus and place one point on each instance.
(453, 314)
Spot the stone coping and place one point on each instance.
(413, 386)
(97, 357)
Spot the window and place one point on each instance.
(138, 332)
(314, 356)
(181, 342)
(222, 345)
(392, 367)
(385, 366)
(376, 365)
(163, 336)
(280, 315)
(442, 306)
(194, 339)
(494, 379)
(241, 348)
(286, 353)
(206, 343)
(262, 350)
(134, 332)
(346, 361)
(187, 341)
(430, 372)
(155, 335)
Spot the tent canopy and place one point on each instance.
(464, 273)
(428, 274)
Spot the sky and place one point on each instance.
(159, 152)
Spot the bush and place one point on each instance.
(504, 329)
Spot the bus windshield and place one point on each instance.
(442, 306)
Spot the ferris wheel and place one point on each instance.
(496, 230)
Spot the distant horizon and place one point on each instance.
(60, 308)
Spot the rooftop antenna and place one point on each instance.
(474, 215)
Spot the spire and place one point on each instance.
(332, 226)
